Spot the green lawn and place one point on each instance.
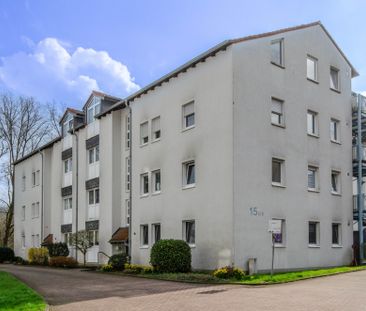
(15, 295)
(252, 280)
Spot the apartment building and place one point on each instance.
(254, 129)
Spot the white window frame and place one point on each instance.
(280, 161)
(23, 212)
(96, 196)
(283, 233)
(279, 115)
(128, 132)
(95, 108)
(337, 174)
(128, 211)
(317, 234)
(67, 205)
(93, 155)
(314, 60)
(339, 229)
(315, 170)
(312, 123)
(186, 115)
(155, 132)
(281, 42)
(68, 238)
(156, 187)
(22, 237)
(128, 174)
(335, 130)
(35, 210)
(144, 139)
(142, 184)
(185, 171)
(336, 87)
(94, 237)
(67, 125)
(24, 183)
(153, 232)
(144, 244)
(184, 232)
(33, 178)
(68, 166)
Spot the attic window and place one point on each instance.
(93, 109)
(67, 125)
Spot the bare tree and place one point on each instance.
(82, 242)
(55, 112)
(23, 128)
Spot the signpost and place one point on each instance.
(274, 227)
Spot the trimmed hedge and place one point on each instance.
(38, 255)
(171, 256)
(229, 273)
(58, 249)
(6, 254)
(118, 261)
(62, 261)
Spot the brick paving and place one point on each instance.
(74, 290)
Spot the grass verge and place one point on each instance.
(15, 295)
(259, 279)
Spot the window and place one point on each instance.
(67, 204)
(277, 52)
(334, 130)
(334, 78)
(68, 238)
(188, 115)
(156, 232)
(189, 173)
(277, 112)
(335, 181)
(36, 178)
(155, 129)
(23, 183)
(314, 233)
(93, 155)
(279, 238)
(35, 210)
(277, 171)
(144, 184)
(312, 122)
(93, 237)
(128, 131)
(144, 133)
(128, 211)
(312, 178)
(68, 165)
(35, 240)
(312, 68)
(23, 212)
(128, 174)
(156, 180)
(93, 109)
(23, 240)
(67, 125)
(189, 232)
(336, 234)
(93, 196)
(144, 235)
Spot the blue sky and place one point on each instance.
(60, 50)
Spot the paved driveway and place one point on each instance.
(75, 290)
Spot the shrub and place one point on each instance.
(171, 256)
(6, 254)
(137, 269)
(107, 268)
(118, 261)
(63, 262)
(58, 249)
(19, 261)
(229, 273)
(38, 256)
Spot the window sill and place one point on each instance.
(155, 140)
(278, 185)
(156, 193)
(192, 245)
(143, 145)
(188, 128)
(313, 135)
(144, 195)
(313, 190)
(335, 90)
(337, 194)
(280, 246)
(278, 65)
(314, 246)
(335, 142)
(144, 247)
(279, 125)
(311, 80)
(189, 186)
(337, 246)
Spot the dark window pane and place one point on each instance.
(312, 233)
(276, 171)
(191, 174)
(190, 120)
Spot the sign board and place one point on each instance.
(274, 226)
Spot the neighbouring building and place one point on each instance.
(253, 130)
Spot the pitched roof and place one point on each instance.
(100, 94)
(72, 111)
(121, 235)
(213, 51)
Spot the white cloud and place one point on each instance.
(50, 72)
